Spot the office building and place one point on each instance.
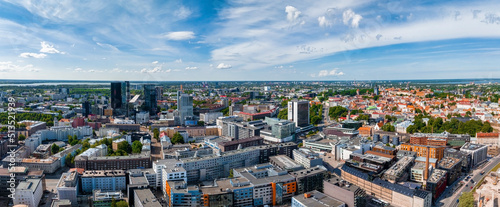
(465, 157)
(478, 152)
(395, 194)
(436, 183)
(307, 157)
(400, 171)
(142, 117)
(116, 95)
(145, 198)
(150, 99)
(351, 195)
(29, 193)
(453, 167)
(286, 163)
(86, 109)
(436, 152)
(298, 112)
(184, 106)
(67, 187)
(105, 180)
(310, 179)
(240, 143)
(316, 198)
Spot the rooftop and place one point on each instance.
(437, 175)
(147, 198)
(103, 173)
(308, 171)
(448, 162)
(318, 199)
(400, 166)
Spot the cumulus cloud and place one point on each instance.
(181, 35)
(334, 72)
(192, 68)
(292, 13)
(224, 66)
(48, 48)
(154, 62)
(32, 55)
(351, 18)
(78, 69)
(178, 61)
(323, 22)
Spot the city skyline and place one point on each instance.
(251, 40)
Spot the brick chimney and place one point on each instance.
(426, 170)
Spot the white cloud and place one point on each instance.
(32, 55)
(92, 71)
(178, 61)
(323, 22)
(181, 35)
(191, 68)
(154, 62)
(8, 66)
(292, 13)
(324, 73)
(183, 12)
(351, 18)
(48, 48)
(224, 66)
(78, 69)
(168, 71)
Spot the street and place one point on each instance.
(451, 201)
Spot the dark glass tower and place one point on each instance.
(116, 95)
(86, 108)
(150, 99)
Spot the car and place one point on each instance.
(482, 173)
(471, 187)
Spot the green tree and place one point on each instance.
(125, 146)
(177, 138)
(156, 133)
(283, 114)
(54, 148)
(201, 123)
(136, 147)
(300, 144)
(388, 128)
(68, 160)
(113, 202)
(121, 204)
(21, 137)
(337, 112)
(4, 129)
(231, 175)
(466, 199)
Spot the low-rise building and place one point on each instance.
(453, 167)
(351, 195)
(310, 179)
(104, 199)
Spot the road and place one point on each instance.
(452, 200)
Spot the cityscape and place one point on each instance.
(249, 103)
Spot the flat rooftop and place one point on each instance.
(103, 173)
(318, 199)
(147, 198)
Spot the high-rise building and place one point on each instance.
(86, 108)
(116, 95)
(159, 92)
(125, 96)
(150, 99)
(184, 106)
(298, 112)
(375, 90)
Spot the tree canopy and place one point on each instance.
(466, 199)
(337, 112)
(136, 147)
(177, 138)
(54, 148)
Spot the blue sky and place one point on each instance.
(249, 40)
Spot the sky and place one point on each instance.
(220, 40)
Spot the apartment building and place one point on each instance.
(106, 180)
(67, 187)
(307, 158)
(142, 160)
(29, 193)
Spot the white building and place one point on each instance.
(67, 187)
(123, 121)
(142, 117)
(62, 133)
(210, 117)
(33, 142)
(168, 169)
(145, 198)
(307, 158)
(29, 192)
